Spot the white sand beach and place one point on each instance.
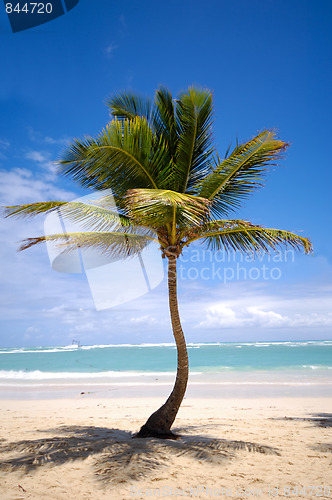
(82, 448)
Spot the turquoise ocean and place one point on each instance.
(250, 366)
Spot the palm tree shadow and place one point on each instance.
(75, 443)
(321, 420)
(317, 419)
(118, 457)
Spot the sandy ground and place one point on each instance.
(82, 448)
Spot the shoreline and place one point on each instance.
(195, 390)
(226, 384)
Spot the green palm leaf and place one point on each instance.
(127, 105)
(165, 126)
(33, 209)
(209, 226)
(118, 159)
(75, 163)
(157, 208)
(195, 113)
(89, 216)
(112, 243)
(233, 179)
(247, 238)
(164, 119)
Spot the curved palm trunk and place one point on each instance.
(160, 422)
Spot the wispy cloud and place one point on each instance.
(42, 158)
(110, 49)
(39, 138)
(123, 22)
(37, 156)
(144, 320)
(4, 143)
(61, 140)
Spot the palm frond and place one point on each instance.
(111, 243)
(209, 226)
(195, 114)
(95, 218)
(126, 147)
(246, 238)
(89, 216)
(240, 173)
(127, 105)
(119, 158)
(164, 119)
(165, 126)
(32, 209)
(74, 162)
(156, 208)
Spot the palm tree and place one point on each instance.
(170, 186)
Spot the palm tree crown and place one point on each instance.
(165, 175)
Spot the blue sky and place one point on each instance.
(269, 66)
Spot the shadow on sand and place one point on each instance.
(118, 457)
(322, 420)
(318, 419)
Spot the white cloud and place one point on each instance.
(86, 327)
(37, 156)
(21, 185)
(274, 315)
(268, 319)
(43, 160)
(220, 315)
(61, 140)
(145, 319)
